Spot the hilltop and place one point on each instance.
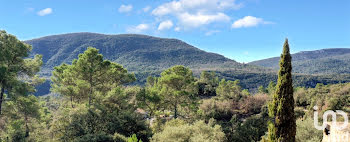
(324, 61)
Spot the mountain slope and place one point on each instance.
(325, 61)
(141, 54)
(147, 55)
(135, 52)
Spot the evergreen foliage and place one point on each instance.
(179, 131)
(18, 77)
(17, 72)
(281, 109)
(149, 97)
(229, 90)
(177, 87)
(88, 77)
(97, 83)
(207, 84)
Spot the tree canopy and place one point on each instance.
(88, 77)
(18, 77)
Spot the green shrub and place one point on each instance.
(179, 131)
(306, 132)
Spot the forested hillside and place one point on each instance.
(144, 55)
(135, 52)
(149, 56)
(325, 61)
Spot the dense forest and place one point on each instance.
(149, 56)
(94, 99)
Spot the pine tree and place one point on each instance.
(283, 127)
(178, 89)
(89, 76)
(17, 71)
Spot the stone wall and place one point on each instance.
(334, 135)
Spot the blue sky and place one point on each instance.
(243, 30)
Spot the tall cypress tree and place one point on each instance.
(282, 127)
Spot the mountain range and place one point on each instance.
(147, 55)
(324, 61)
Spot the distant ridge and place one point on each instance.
(324, 61)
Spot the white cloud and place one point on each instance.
(177, 29)
(199, 19)
(45, 11)
(209, 33)
(167, 8)
(180, 6)
(125, 8)
(138, 29)
(165, 25)
(196, 13)
(249, 21)
(146, 9)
